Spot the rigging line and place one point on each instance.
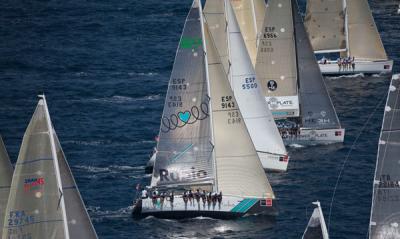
(348, 155)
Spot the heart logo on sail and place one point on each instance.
(184, 116)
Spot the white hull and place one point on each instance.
(230, 207)
(365, 67)
(274, 162)
(315, 137)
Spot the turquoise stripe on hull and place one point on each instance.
(244, 205)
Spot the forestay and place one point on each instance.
(248, 94)
(385, 211)
(276, 58)
(316, 228)
(316, 106)
(364, 40)
(238, 168)
(325, 24)
(184, 150)
(6, 171)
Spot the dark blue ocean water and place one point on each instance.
(104, 66)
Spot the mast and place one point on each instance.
(56, 166)
(208, 92)
(228, 42)
(346, 27)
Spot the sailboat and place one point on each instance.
(231, 47)
(292, 81)
(385, 213)
(316, 228)
(346, 27)
(204, 143)
(44, 200)
(6, 172)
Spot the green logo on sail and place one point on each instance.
(189, 43)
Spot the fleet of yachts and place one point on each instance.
(247, 81)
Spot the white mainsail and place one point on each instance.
(238, 169)
(250, 15)
(250, 99)
(364, 40)
(316, 228)
(6, 171)
(325, 24)
(37, 201)
(276, 66)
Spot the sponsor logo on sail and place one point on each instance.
(177, 176)
(33, 184)
(272, 85)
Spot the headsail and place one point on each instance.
(184, 152)
(6, 172)
(249, 97)
(41, 185)
(250, 14)
(316, 106)
(35, 206)
(364, 40)
(276, 60)
(385, 213)
(239, 171)
(79, 224)
(325, 24)
(316, 228)
(214, 13)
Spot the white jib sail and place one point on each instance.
(247, 90)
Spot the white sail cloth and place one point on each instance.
(276, 57)
(238, 169)
(248, 94)
(6, 171)
(37, 201)
(364, 40)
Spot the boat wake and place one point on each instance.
(143, 74)
(346, 76)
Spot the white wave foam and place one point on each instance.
(346, 76)
(119, 99)
(143, 74)
(110, 169)
(297, 146)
